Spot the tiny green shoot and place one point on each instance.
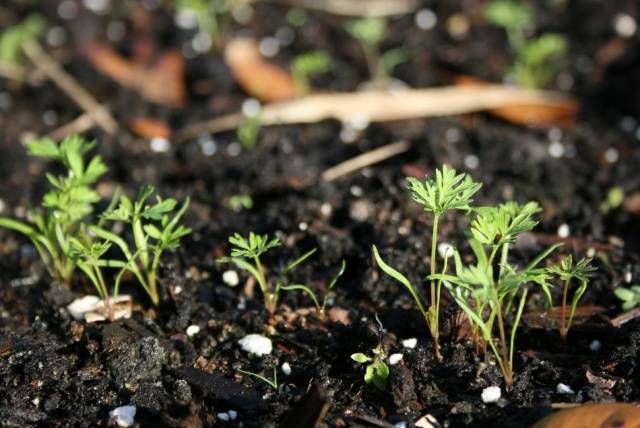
(369, 32)
(377, 371)
(239, 202)
(249, 131)
(212, 16)
(16, 36)
(307, 64)
(630, 296)
(567, 271)
(273, 383)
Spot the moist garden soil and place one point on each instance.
(59, 372)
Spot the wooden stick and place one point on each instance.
(626, 317)
(369, 8)
(70, 86)
(364, 160)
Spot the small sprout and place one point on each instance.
(212, 16)
(16, 36)
(536, 58)
(273, 383)
(568, 271)
(249, 131)
(239, 202)
(245, 254)
(377, 371)
(306, 65)
(65, 208)
(448, 191)
(615, 199)
(155, 229)
(630, 296)
(370, 32)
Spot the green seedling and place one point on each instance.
(65, 208)
(630, 296)
(306, 65)
(377, 371)
(492, 291)
(239, 202)
(447, 192)
(370, 32)
(15, 37)
(246, 253)
(155, 228)
(249, 131)
(273, 383)
(536, 58)
(212, 16)
(568, 271)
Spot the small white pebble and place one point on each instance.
(395, 359)
(192, 330)
(286, 369)
(410, 343)
(326, 209)
(491, 394)
(36, 401)
(356, 191)
(595, 345)
(231, 278)
(82, 305)
(256, 344)
(99, 7)
(426, 19)
(628, 276)
(401, 424)
(348, 134)
(177, 290)
(561, 388)
(234, 149)
(224, 417)
(303, 226)
(556, 149)
(269, 47)
(186, 19)
(232, 414)
(471, 161)
(445, 250)
(360, 122)
(591, 252)
(123, 416)
(625, 25)
(564, 231)
(611, 155)
(251, 107)
(159, 144)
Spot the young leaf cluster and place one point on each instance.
(567, 271)
(630, 296)
(14, 38)
(536, 57)
(67, 236)
(245, 254)
(376, 371)
(212, 16)
(448, 191)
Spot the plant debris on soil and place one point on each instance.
(142, 74)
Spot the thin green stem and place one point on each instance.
(563, 320)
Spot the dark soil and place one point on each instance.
(58, 372)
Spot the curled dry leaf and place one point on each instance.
(618, 415)
(161, 81)
(259, 78)
(149, 128)
(551, 112)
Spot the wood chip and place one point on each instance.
(618, 415)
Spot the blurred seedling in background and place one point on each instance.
(239, 202)
(249, 131)
(536, 58)
(246, 253)
(15, 37)
(155, 228)
(491, 292)
(308, 64)
(567, 271)
(212, 16)
(63, 213)
(630, 296)
(370, 33)
(447, 192)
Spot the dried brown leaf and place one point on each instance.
(609, 415)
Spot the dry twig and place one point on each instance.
(364, 160)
